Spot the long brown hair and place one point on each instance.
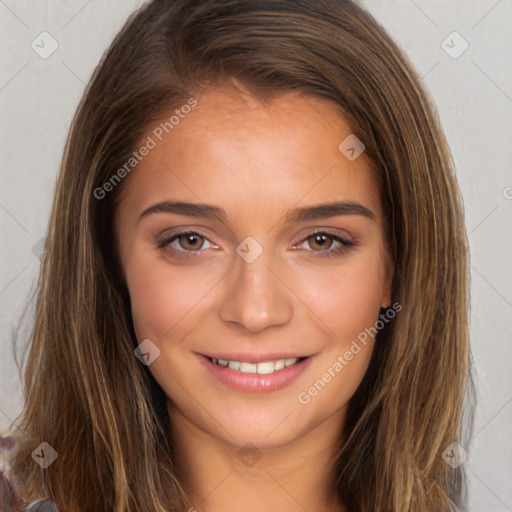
(86, 394)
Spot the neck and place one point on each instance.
(228, 476)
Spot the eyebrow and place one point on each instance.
(206, 211)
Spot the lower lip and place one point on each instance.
(255, 382)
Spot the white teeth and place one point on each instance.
(268, 367)
(279, 365)
(263, 368)
(248, 367)
(234, 365)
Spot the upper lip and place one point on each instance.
(251, 357)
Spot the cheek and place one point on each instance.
(162, 295)
(347, 301)
(345, 298)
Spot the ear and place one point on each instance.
(387, 285)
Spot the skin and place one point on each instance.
(257, 163)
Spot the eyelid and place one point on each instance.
(165, 237)
(345, 243)
(308, 232)
(332, 232)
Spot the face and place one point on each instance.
(254, 274)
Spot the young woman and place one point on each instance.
(254, 290)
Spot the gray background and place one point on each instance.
(473, 94)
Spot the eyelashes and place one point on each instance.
(167, 241)
(337, 247)
(343, 246)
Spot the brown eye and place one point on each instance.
(326, 244)
(320, 241)
(184, 244)
(190, 241)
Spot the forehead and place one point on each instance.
(233, 150)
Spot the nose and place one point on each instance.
(256, 296)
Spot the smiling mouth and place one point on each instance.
(261, 368)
